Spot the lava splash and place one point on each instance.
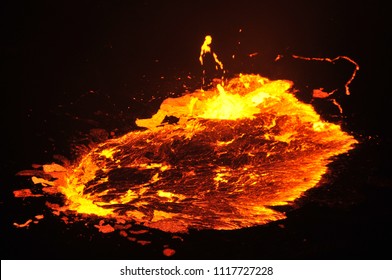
(234, 151)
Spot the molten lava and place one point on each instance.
(236, 150)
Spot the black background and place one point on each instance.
(72, 66)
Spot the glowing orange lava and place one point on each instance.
(236, 150)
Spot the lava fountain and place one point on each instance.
(236, 150)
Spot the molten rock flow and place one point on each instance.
(236, 150)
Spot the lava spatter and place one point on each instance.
(236, 150)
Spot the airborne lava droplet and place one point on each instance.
(168, 252)
(25, 224)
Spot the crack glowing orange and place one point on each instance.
(237, 149)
